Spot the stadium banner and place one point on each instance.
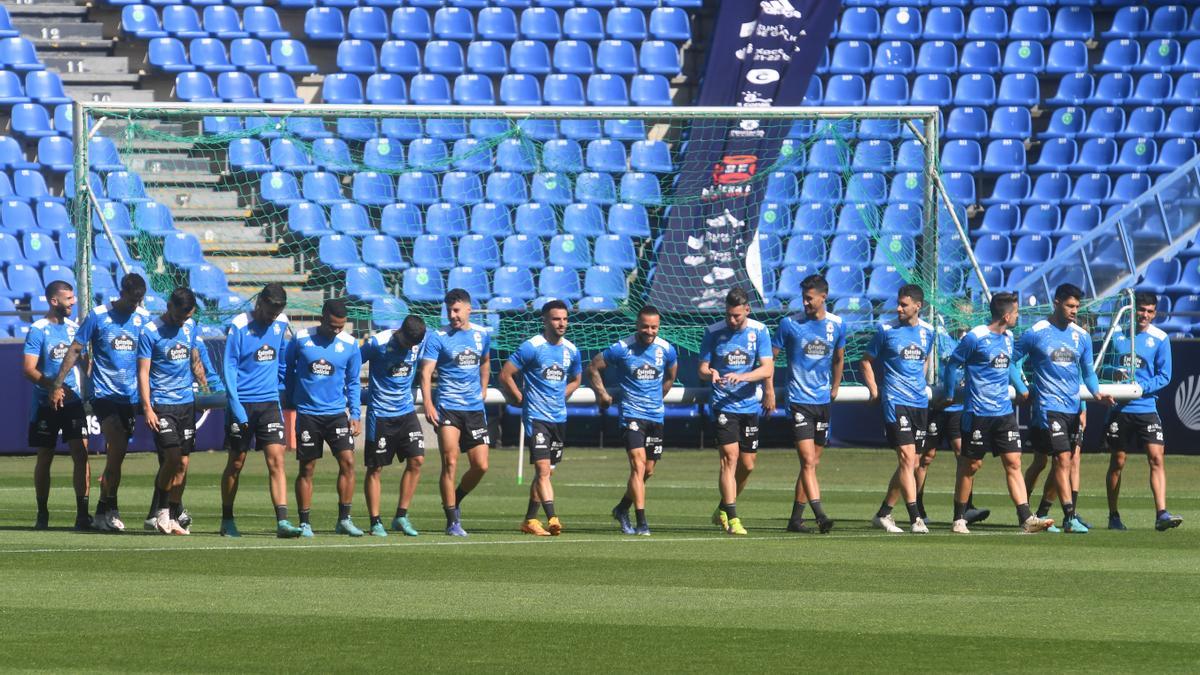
(763, 54)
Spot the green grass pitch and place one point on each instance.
(687, 599)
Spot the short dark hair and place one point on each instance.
(273, 294)
(1002, 303)
(648, 310)
(182, 298)
(133, 284)
(335, 308)
(57, 286)
(553, 305)
(736, 297)
(413, 329)
(912, 291)
(457, 295)
(1065, 291)
(1141, 299)
(815, 282)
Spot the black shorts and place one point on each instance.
(740, 428)
(909, 428)
(389, 437)
(70, 419)
(313, 432)
(124, 413)
(545, 441)
(944, 426)
(981, 434)
(264, 426)
(1133, 431)
(643, 434)
(810, 423)
(176, 427)
(471, 424)
(1058, 436)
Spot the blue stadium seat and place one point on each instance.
(412, 23)
(250, 55)
(183, 22)
(888, 90)
(536, 220)
(993, 249)
(462, 188)
(474, 280)
(574, 56)
(622, 23)
(1004, 156)
(53, 217)
(1073, 23)
(960, 186)
(1058, 154)
(805, 249)
(1090, 188)
(1137, 155)
(140, 21)
(629, 220)
(1128, 22)
(1096, 154)
(208, 281)
(987, 23)
(563, 89)
(962, 155)
(851, 57)
(670, 24)
(660, 57)
(868, 187)
(247, 155)
(11, 90)
(237, 87)
(547, 187)
(884, 283)
(401, 220)
(859, 23)
(444, 57)
(382, 154)
(1040, 219)
(822, 187)
(366, 283)
(454, 23)
(945, 23)
(324, 24)
(279, 189)
(263, 23)
(339, 89)
(1128, 187)
(416, 187)
(559, 283)
(1031, 249)
(306, 219)
(846, 280)
(323, 188)
(649, 157)
(522, 250)
(1050, 187)
(1001, 219)
(1067, 57)
(781, 187)
(1190, 60)
(607, 90)
(1160, 56)
(45, 87)
(1151, 89)
(291, 56)
(388, 313)
(497, 23)
(513, 287)
(446, 219)
(1012, 122)
(1066, 123)
(120, 185)
(1030, 23)
(477, 250)
(433, 251)
(907, 187)
(584, 220)
(508, 188)
(1009, 188)
(1187, 90)
(615, 250)
(356, 56)
(401, 57)
(540, 23)
(850, 249)
(607, 155)
(338, 252)
(937, 57)
(51, 273)
(168, 55)
(520, 90)
(967, 122)
(1173, 153)
(1024, 56)
(641, 188)
(931, 89)
(350, 219)
(1167, 22)
(845, 90)
(56, 153)
(617, 57)
(1188, 281)
(770, 252)
(430, 89)
(980, 57)
(596, 188)
(975, 90)
(790, 278)
(1119, 56)
(604, 283)
(208, 54)
(223, 21)
(277, 88)
(893, 58)
(1147, 122)
(32, 121)
(901, 23)
(568, 250)
(650, 90)
(474, 89)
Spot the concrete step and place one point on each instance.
(99, 79)
(236, 265)
(103, 93)
(58, 10)
(163, 163)
(166, 175)
(253, 279)
(72, 45)
(212, 217)
(193, 197)
(226, 247)
(230, 237)
(67, 64)
(296, 297)
(59, 29)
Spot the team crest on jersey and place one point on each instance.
(933, 428)
(338, 348)
(1149, 342)
(381, 443)
(321, 368)
(467, 358)
(977, 435)
(799, 417)
(177, 352)
(912, 352)
(277, 329)
(539, 438)
(1114, 428)
(59, 351)
(722, 419)
(645, 373)
(1062, 356)
(233, 428)
(122, 343)
(816, 349)
(658, 357)
(164, 424)
(737, 358)
(633, 425)
(137, 320)
(554, 373)
(264, 353)
(1000, 361)
(1055, 426)
(305, 436)
(904, 423)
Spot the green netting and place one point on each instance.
(853, 187)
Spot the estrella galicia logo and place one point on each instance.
(122, 343)
(1063, 356)
(1134, 360)
(554, 373)
(1187, 402)
(816, 349)
(264, 354)
(645, 373)
(467, 358)
(177, 352)
(321, 368)
(737, 358)
(401, 369)
(1000, 361)
(912, 352)
(58, 352)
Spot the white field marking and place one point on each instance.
(515, 542)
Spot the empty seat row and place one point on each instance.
(236, 87)
(219, 21)
(1078, 218)
(1057, 187)
(1073, 122)
(249, 155)
(434, 251)
(1065, 154)
(489, 57)
(507, 288)
(407, 221)
(497, 23)
(40, 86)
(515, 89)
(34, 120)
(373, 188)
(251, 55)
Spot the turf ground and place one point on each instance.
(687, 599)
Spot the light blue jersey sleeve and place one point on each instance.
(354, 382)
(233, 355)
(706, 347)
(763, 343)
(34, 340)
(1162, 369)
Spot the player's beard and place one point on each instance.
(62, 311)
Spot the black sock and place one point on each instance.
(101, 506)
(1114, 514)
(921, 502)
(281, 512)
(112, 503)
(884, 511)
(459, 495)
(624, 504)
(154, 502)
(376, 520)
(913, 513)
(175, 510)
(1074, 496)
(549, 508)
(959, 509)
(1043, 508)
(532, 510)
(164, 499)
(401, 512)
(344, 511)
(971, 501)
(1068, 511)
(43, 505)
(81, 505)
(451, 515)
(1023, 512)
(304, 514)
(818, 510)
(641, 517)
(730, 510)
(797, 512)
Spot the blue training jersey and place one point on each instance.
(1060, 360)
(169, 349)
(49, 342)
(112, 338)
(391, 374)
(903, 351)
(1152, 367)
(458, 354)
(946, 346)
(546, 369)
(641, 371)
(254, 366)
(729, 351)
(810, 345)
(987, 358)
(322, 373)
